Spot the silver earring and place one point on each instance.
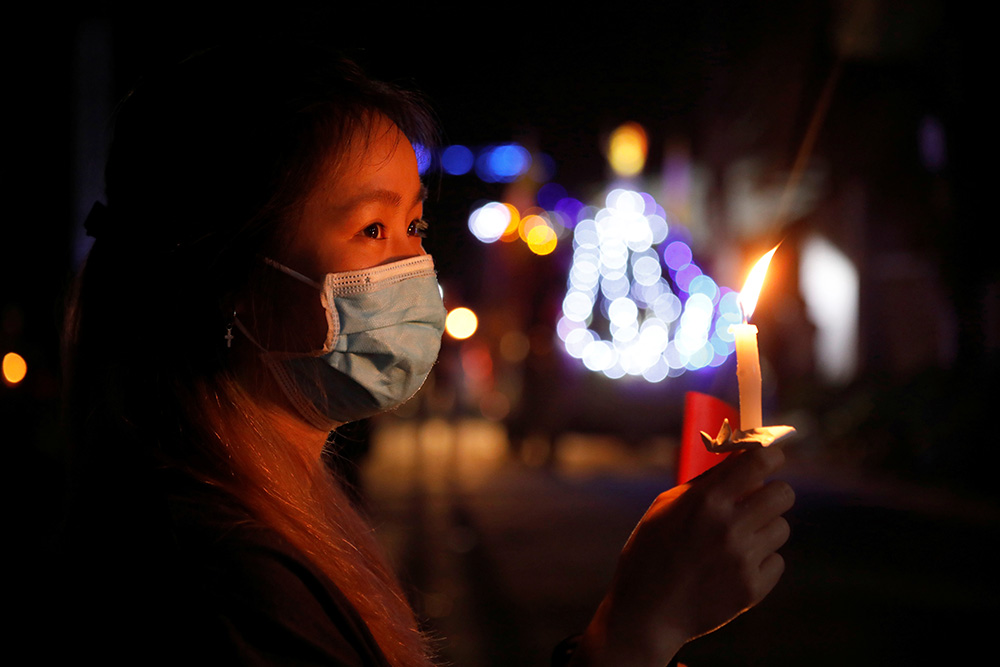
(229, 332)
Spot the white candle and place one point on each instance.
(748, 375)
(747, 355)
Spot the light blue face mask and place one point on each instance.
(384, 327)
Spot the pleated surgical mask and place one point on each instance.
(384, 327)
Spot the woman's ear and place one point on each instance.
(281, 313)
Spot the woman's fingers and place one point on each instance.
(771, 537)
(759, 507)
(704, 551)
(745, 471)
(771, 570)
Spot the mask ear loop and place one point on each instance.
(327, 298)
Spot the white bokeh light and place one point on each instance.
(657, 326)
(488, 222)
(830, 288)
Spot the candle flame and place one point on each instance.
(754, 283)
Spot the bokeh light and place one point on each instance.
(627, 149)
(424, 157)
(457, 160)
(514, 346)
(831, 289)
(461, 323)
(632, 277)
(15, 368)
(677, 255)
(490, 222)
(503, 163)
(570, 209)
(662, 319)
(541, 239)
(549, 195)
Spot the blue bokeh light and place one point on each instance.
(503, 163)
(424, 157)
(457, 160)
(549, 196)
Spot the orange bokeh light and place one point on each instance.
(14, 368)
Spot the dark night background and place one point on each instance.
(895, 576)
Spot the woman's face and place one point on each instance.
(363, 211)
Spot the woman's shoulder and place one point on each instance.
(267, 598)
(200, 581)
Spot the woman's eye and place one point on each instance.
(418, 228)
(373, 231)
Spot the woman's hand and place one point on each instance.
(703, 553)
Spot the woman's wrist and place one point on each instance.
(613, 638)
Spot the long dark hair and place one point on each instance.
(209, 162)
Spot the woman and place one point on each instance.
(258, 279)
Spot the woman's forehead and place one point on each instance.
(376, 160)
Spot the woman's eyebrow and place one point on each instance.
(383, 196)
